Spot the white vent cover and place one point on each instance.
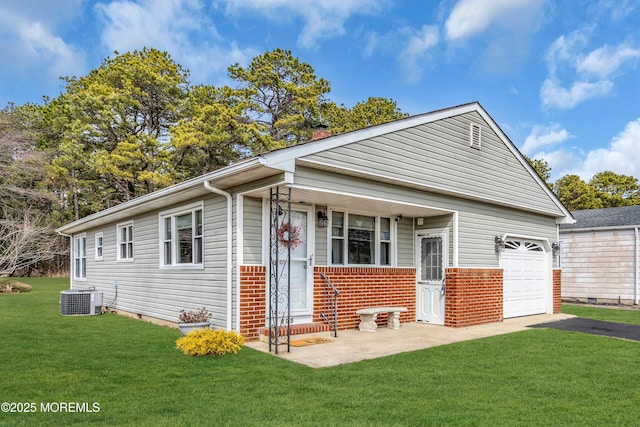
(77, 302)
(475, 136)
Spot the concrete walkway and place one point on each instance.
(353, 346)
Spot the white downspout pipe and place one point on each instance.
(215, 190)
(71, 272)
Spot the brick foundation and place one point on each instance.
(364, 287)
(473, 296)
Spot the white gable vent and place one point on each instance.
(475, 136)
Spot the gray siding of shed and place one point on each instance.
(143, 287)
(439, 155)
(599, 264)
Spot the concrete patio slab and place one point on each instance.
(354, 346)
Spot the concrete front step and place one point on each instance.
(300, 331)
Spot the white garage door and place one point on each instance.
(526, 278)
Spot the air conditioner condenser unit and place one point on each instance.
(80, 302)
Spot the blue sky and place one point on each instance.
(559, 77)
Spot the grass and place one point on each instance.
(135, 374)
(625, 315)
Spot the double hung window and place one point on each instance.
(80, 257)
(182, 237)
(125, 241)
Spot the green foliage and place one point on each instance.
(109, 129)
(576, 194)
(205, 342)
(616, 190)
(373, 111)
(283, 95)
(542, 168)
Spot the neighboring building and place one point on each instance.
(600, 256)
(438, 213)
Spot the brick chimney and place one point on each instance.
(319, 134)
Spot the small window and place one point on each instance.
(125, 241)
(181, 233)
(80, 257)
(475, 136)
(99, 247)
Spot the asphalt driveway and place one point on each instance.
(595, 327)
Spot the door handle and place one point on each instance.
(443, 288)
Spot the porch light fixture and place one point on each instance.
(499, 241)
(555, 247)
(323, 221)
(399, 217)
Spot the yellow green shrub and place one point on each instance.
(202, 342)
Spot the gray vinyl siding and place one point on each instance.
(252, 230)
(404, 242)
(440, 222)
(438, 155)
(322, 236)
(146, 289)
(599, 264)
(478, 223)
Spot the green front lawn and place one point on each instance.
(132, 370)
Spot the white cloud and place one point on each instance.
(605, 61)
(543, 136)
(620, 157)
(30, 44)
(471, 17)
(323, 19)
(592, 71)
(554, 95)
(176, 26)
(416, 51)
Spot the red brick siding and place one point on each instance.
(473, 296)
(367, 287)
(557, 290)
(252, 300)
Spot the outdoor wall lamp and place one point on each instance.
(323, 221)
(499, 241)
(555, 247)
(399, 217)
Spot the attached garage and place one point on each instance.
(526, 277)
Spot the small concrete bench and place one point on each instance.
(369, 315)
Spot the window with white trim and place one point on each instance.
(99, 247)
(360, 239)
(181, 235)
(125, 241)
(80, 257)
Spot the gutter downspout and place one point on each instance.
(215, 190)
(71, 256)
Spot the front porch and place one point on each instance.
(354, 346)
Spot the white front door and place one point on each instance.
(431, 261)
(300, 226)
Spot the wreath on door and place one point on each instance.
(289, 235)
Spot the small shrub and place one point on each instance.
(200, 315)
(202, 342)
(10, 286)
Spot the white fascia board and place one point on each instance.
(165, 192)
